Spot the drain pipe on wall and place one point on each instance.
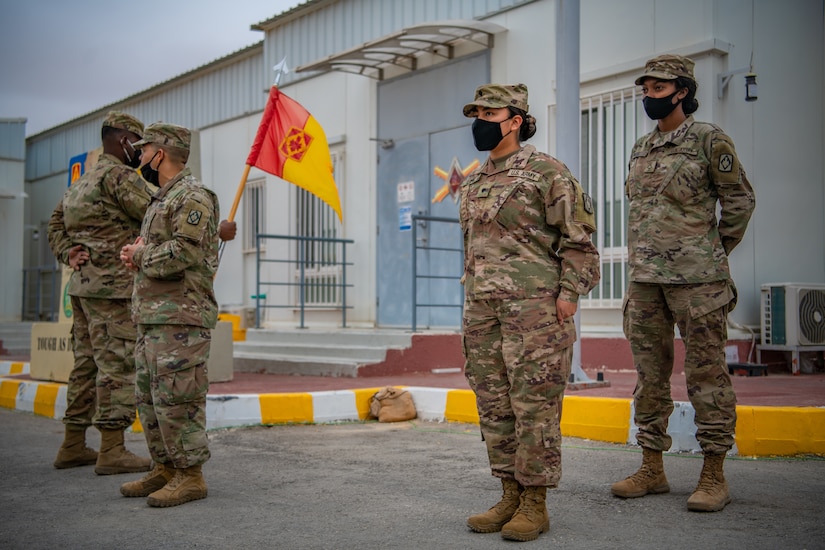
(568, 125)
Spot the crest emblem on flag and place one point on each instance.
(295, 144)
(292, 145)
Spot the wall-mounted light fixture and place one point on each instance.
(722, 80)
(384, 143)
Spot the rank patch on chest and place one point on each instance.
(725, 162)
(194, 217)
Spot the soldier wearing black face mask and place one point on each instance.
(528, 257)
(679, 175)
(149, 174)
(130, 154)
(97, 215)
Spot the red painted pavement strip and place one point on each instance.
(774, 390)
(777, 389)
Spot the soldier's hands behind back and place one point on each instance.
(77, 257)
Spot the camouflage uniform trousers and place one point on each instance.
(172, 382)
(518, 374)
(101, 389)
(700, 312)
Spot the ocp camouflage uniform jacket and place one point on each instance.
(101, 211)
(674, 182)
(527, 227)
(177, 264)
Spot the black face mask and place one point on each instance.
(659, 107)
(131, 161)
(150, 174)
(486, 134)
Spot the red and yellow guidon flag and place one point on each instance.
(292, 145)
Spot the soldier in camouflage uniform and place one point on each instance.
(175, 258)
(679, 274)
(528, 256)
(97, 215)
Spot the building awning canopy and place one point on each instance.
(401, 51)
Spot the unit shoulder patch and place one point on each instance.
(193, 220)
(587, 203)
(584, 212)
(194, 217)
(725, 162)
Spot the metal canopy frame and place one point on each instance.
(403, 48)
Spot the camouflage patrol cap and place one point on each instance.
(116, 119)
(668, 67)
(171, 135)
(496, 96)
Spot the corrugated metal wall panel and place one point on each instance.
(239, 86)
(220, 93)
(13, 138)
(344, 25)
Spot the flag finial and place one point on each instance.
(280, 68)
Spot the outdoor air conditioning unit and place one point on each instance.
(793, 314)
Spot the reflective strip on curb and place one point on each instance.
(760, 431)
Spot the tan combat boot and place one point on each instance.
(650, 478)
(148, 484)
(530, 520)
(114, 458)
(712, 494)
(74, 452)
(494, 519)
(188, 484)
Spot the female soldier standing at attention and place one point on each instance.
(679, 274)
(527, 259)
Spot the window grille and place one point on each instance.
(254, 213)
(610, 124)
(321, 260)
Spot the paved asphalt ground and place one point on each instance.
(408, 485)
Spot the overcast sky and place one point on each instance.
(60, 59)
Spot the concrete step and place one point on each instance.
(340, 352)
(395, 339)
(335, 352)
(295, 365)
(315, 352)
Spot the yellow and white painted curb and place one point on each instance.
(13, 367)
(760, 431)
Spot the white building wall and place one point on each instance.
(787, 141)
(780, 148)
(342, 104)
(780, 137)
(527, 53)
(12, 207)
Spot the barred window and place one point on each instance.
(254, 213)
(321, 260)
(610, 124)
